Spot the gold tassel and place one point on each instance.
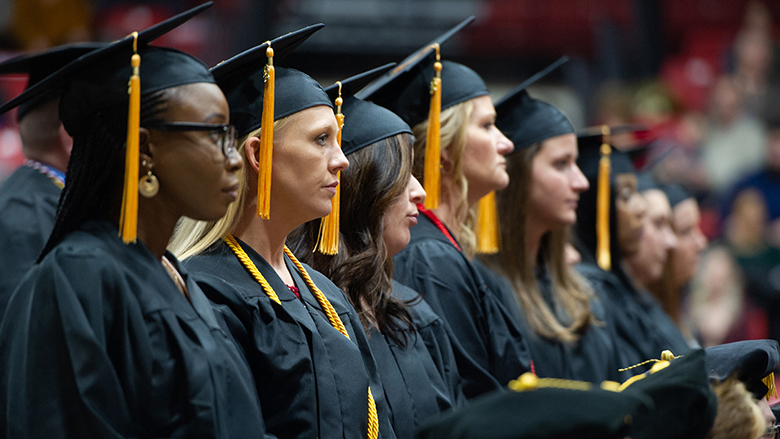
(266, 139)
(769, 380)
(328, 239)
(431, 180)
(488, 230)
(128, 219)
(603, 255)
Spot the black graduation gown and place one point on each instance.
(421, 379)
(99, 343)
(642, 328)
(312, 381)
(592, 358)
(489, 347)
(28, 203)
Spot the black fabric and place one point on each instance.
(406, 90)
(544, 413)
(593, 358)
(645, 182)
(750, 361)
(98, 79)
(28, 203)
(98, 341)
(365, 123)
(242, 80)
(40, 65)
(312, 381)
(490, 349)
(527, 121)
(642, 329)
(685, 405)
(675, 193)
(420, 380)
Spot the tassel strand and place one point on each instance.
(266, 139)
(128, 219)
(432, 171)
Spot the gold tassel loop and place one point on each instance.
(128, 219)
(603, 255)
(266, 139)
(432, 172)
(488, 229)
(769, 381)
(328, 238)
(528, 382)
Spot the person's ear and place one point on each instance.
(252, 153)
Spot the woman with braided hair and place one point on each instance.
(107, 336)
(312, 364)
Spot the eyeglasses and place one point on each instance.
(222, 134)
(772, 431)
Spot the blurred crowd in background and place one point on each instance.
(702, 77)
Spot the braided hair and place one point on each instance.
(95, 174)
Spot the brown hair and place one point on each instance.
(454, 122)
(739, 417)
(514, 262)
(377, 176)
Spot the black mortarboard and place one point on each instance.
(418, 90)
(753, 362)
(542, 413)
(685, 405)
(102, 74)
(675, 193)
(365, 123)
(260, 93)
(242, 80)
(645, 182)
(116, 75)
(40, 65)
(527, 121)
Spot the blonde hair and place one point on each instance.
(569, 289)
(192, 237)
(738, 417)
(454, 123)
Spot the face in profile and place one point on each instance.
(196, 179)
(658, 239)
(690, 241)
(630, 208)
(306, 163)
(556, 184)
(401, 216)
(484, 165)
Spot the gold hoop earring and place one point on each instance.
(149, 185)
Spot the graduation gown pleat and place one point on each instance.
(642, 328)
(28, 204)
(593, 357)
(420, 379)
(312, 381)
(98, 342)
(490, 349)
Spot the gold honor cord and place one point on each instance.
(333, 316)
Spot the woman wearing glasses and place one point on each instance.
(314, 370)
(107, 336)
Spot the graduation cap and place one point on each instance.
(685, 405)
(534, 410)
(419, 89)
(40, 65)
(675, 193)
(98, 81)
(753, 362)
(599, 161)
(527, 121)
(260, 93)
(368, 124)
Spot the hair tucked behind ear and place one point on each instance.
(95, 174)
(454, 122)
(377, 176)
(192, 237)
